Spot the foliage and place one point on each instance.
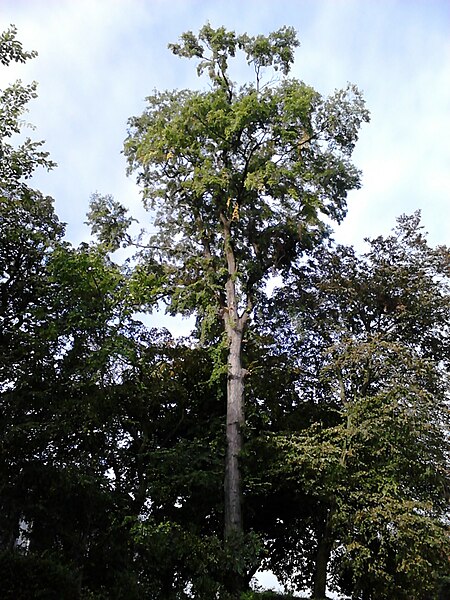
(17, 164)
(266, 595)
(257, 165)
(372, 347)
(109, 222)
(27, 576)
(112, 434)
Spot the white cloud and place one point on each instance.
(99, 59)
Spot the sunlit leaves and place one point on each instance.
(272, 160)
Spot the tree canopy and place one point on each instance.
(241, 178)
(301, 428)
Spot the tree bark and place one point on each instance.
(234, 325)
(324, 546)
(235, 422)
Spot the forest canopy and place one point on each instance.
(301, 429)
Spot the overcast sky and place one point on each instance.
(99, 59)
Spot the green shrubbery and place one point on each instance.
(26, 577)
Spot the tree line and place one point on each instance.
(303, 425)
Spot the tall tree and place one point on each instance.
(241, 178)
(29, 231)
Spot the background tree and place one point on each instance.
(240, 178)
(29, 231)
(17, 162)
(368, 336)
(56, 312)
(96, 412)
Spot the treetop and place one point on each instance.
(216, 46)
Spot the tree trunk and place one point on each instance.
(324, 545)
(234, 526)
(320, 575)
(235, 421)
(234, 325)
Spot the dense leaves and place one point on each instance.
(368, 339)
(113, 435)
(256, 167)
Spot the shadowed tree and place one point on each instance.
(29, 231)
(368, 338)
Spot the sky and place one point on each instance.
(99, 59)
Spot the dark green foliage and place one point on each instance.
(368, 341)
(266, 595)
(112, 440)
(23, 577)
(444, 588)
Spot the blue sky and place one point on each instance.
(98, 59)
